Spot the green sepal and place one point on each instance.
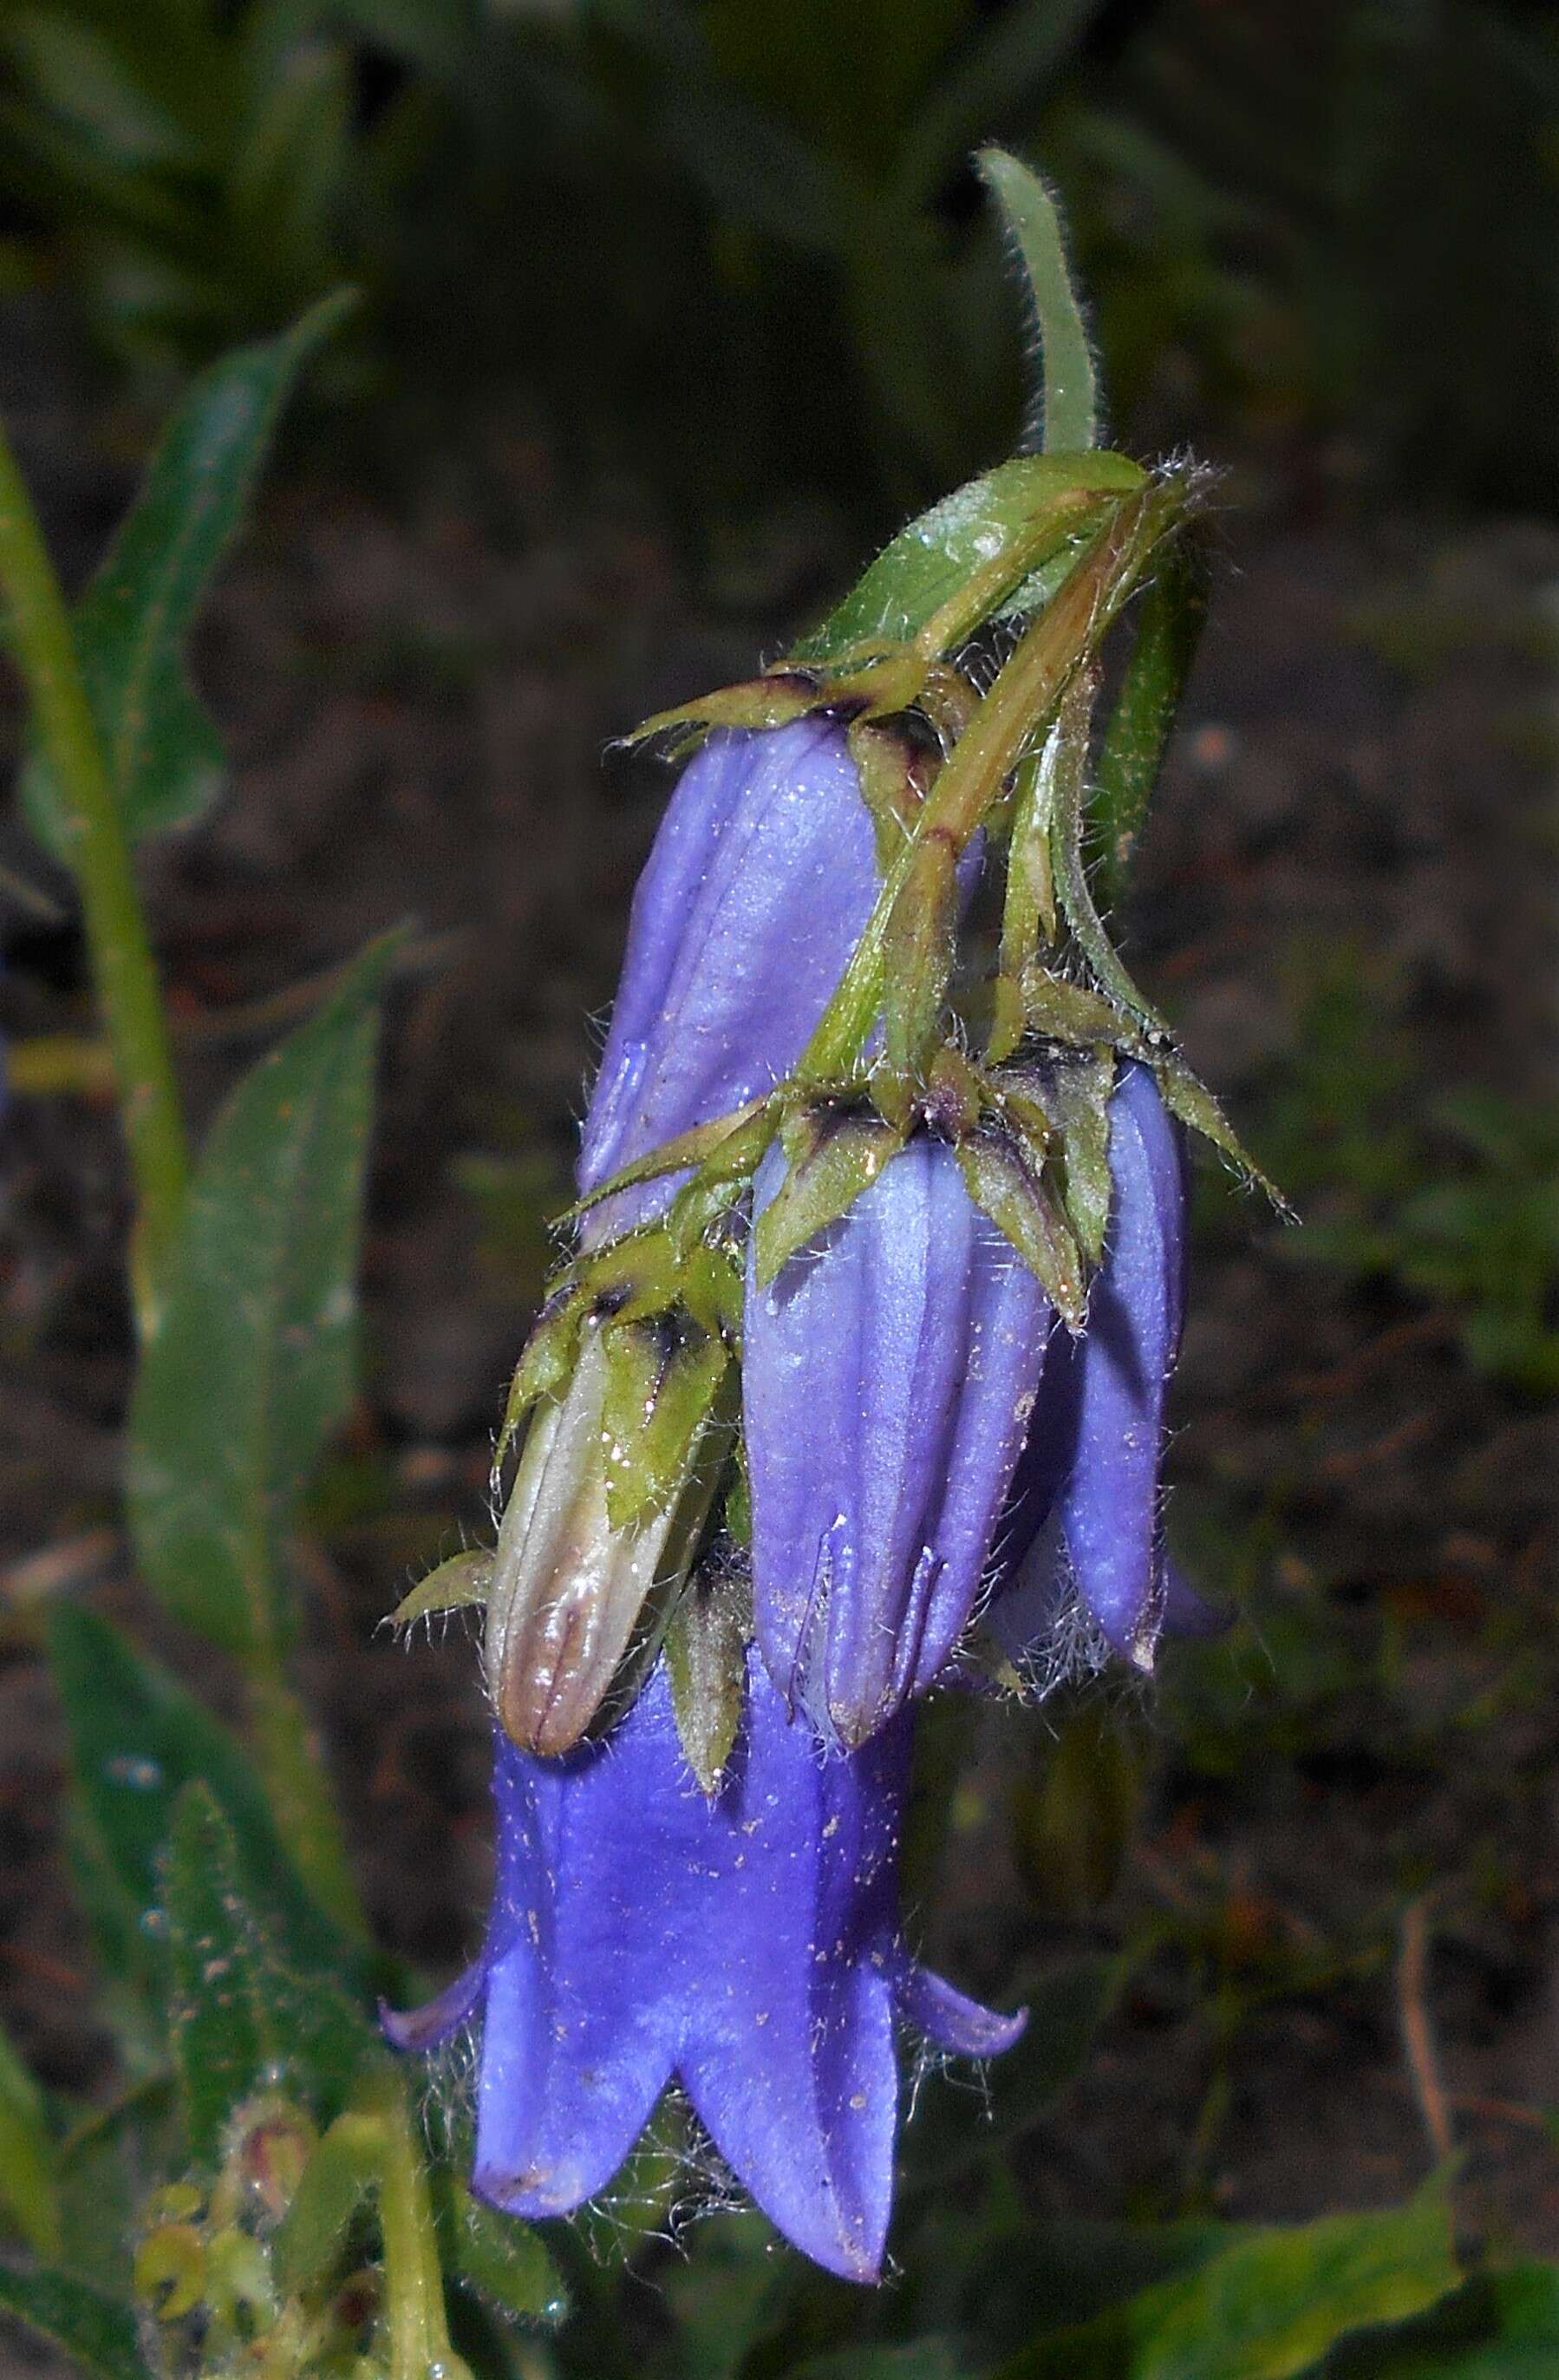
(456, 1584)
(973, 529)
(662, 1377)
(772, 700)
(1029, 908)
(1169, 625)
(547, 1362)
(1004, 1186)
(705, 1662)
(721, 1148)
(1188, 1097)
(1079, 1092)
(1066, 853)
(835, 1154)
(711, 1289)
(1055, 1009)
(919, 956)
(883, 764)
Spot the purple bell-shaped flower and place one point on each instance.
(760, 881)
(888, 1373)
(746, 1942)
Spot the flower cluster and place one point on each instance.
(855, 1384)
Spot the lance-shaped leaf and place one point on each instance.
(1067, 393)
(1169, 624)
(132, 626)
(835, 1154)
(662, 1378)
(137, 1738)
(930, 563)
(253, 1365)
(568, 1583)
(1003, 1182)
(707, 1663)
(237, 2016)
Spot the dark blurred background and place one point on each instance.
(669, 312)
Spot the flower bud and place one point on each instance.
(1095, 1448)
(888, 1371)
(570, 1578)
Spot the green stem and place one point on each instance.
(414, 2286)
(123, 966)
(1022, 698)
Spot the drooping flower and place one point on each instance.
(889, 1374)
(1086, 1514)
(746, 1942)
(762, 876)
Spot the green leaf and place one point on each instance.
(1502, 2326)
(236, 2015)
(162, 749)
(27, 2157)
(929, 561)
(1269, 2306)
(137, 1739)
(1169, 625)
(97, 2330)
(924, 2358)
(253, 1363)
(504, 2260)
(1069, 396)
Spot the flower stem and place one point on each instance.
(413, 2287)
(123, 966)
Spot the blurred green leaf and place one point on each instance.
(132, 625)
(96, 2330)
(27, 2157)
(1269, 2307)
(1502, 2326)
(137, 1739)
(236, 2015)
(929, 561)
(924, 2358)
(504, 2260)
(253, 1363)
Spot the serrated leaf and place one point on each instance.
(163, 751)
(99, 2331)
(253, 1365)
(137, 1740)
(662, 1378)
(839, 1154)
(1267, 2307)
(929, 561)
(706, 1662)
(1006, 1188)
(503, 2259)
(237, 2014)
(1068, 394)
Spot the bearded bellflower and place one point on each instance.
(878, 1291)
